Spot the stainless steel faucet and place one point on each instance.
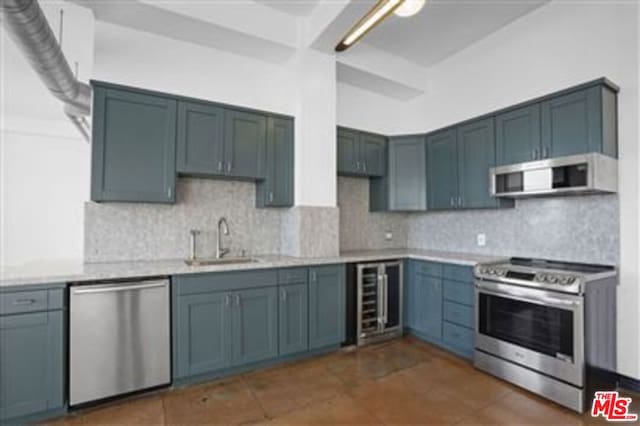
(223, 227)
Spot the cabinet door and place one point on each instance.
(326, 306)
(348, 152)
(244, 144)
(373, 154)
(428, 309)
(294, 318)
(518, 135)
(277, 189)
(200, 138)
(571, 124)
(31, 363)
(442, 168)
(407, 174)
(202, 336)
(476, 155)
(255, 325)
(133, 147)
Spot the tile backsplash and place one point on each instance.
(128, 231)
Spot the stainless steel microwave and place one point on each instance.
(576, 174)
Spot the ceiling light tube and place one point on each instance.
(380, 11)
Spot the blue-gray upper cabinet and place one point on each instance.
(31, 354)
(476, 155)
(133, 146)
(326, 305)
(245, 141)
(442, 169)
(202, 333)
(407, 177)
(518, 135)
(276, 190)
(360, 153)
(294, 318)
(580, 122)
(255, 325)
(200, 138)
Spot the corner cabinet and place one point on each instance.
(277, 189)
(360, 153)
(133, 146)
(32, 354)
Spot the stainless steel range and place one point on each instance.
(548, 327)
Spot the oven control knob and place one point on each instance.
(501, 272)
(541, 278)
(565, 280)
(552, 279)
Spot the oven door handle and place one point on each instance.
(537, 299)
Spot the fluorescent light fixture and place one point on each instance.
(409, 8)
(381, 10)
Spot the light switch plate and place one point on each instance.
(481, 240)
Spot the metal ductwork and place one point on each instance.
(28, 27)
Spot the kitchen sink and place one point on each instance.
(220, 261)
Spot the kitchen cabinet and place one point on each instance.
(439, 300)
(442, 169)
(459, 159)
(294, 318)
(326, 305)
(202, 333)
(276, 190)
(579, 122)
(518, 135)
(245, 140)
(133, 146)
(360, 153)
(254, 325)
(200, 145)
(32, 357)
(574, 121)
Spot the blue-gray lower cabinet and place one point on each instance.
(294, 318)
(31, 357)
(133, 146)
(439, 300)
(326, 305)
(202, 333)
(255, 325)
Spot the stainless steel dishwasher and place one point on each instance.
(119, 339)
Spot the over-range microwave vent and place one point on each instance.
(577, 174)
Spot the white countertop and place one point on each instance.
(63, 272)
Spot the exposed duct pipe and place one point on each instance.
(28, 27)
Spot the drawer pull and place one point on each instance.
(24, 302)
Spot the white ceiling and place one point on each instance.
(291, 7)
(444, 27)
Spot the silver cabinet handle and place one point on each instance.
(313, 276)
(229, 167)
(22, 302)
(169, 192)
(357, 165)
(535, 154)
(238, 300)
(545, 152)
(227, 300)
(364, 166)
(271, 196)
(453, 203)
(459, 201)
(283, 294)
(116, 287)
(219, 166)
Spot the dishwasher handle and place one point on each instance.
(117, 287)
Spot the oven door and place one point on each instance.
(537, 329)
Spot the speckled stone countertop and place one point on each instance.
(46, 273)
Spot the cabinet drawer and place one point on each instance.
(221, 281)
(428, 268)
(458, 292)
(458, 273)
(458, 338)
(458, 314)
(31, 301)
(292, 275)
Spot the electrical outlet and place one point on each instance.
(481, 240)
(388, 235)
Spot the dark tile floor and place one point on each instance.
(400, 382)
